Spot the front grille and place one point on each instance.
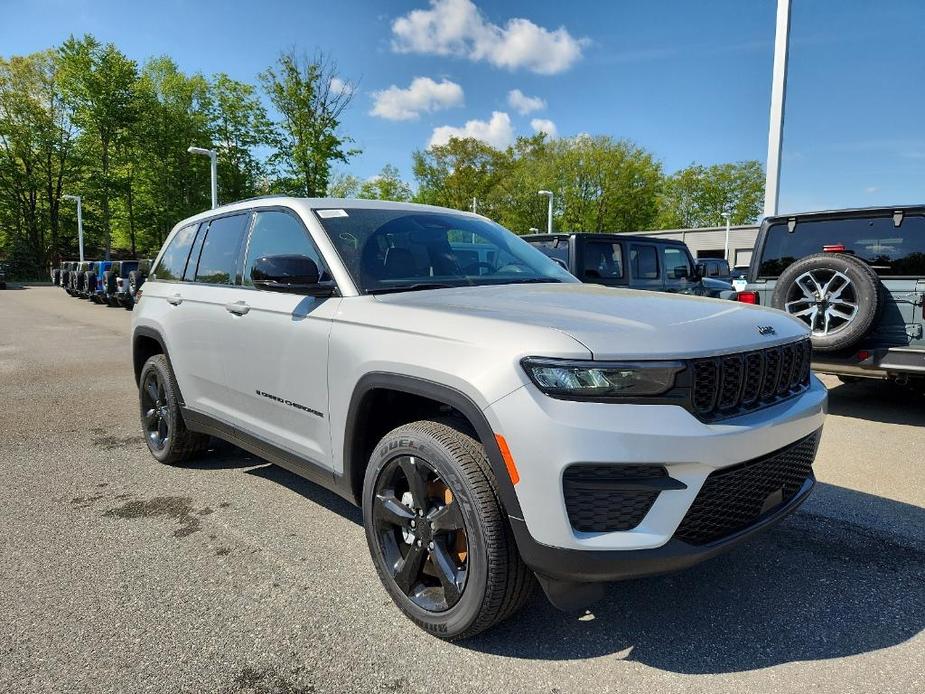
(737, 383)
(607, 498)
(733, 498)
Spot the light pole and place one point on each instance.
(778, 97)
(727, 215)
(214, 166)
(548, 194)
(80, 223)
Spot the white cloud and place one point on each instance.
(339, 86)
(544, 125)
(423, 95)
(497, 131)
(871, 189)
(524, 104)
(458, 27)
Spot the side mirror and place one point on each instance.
(700, 271)
(295, 274)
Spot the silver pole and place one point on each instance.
(549, 216)
(548, 194)
(80, 228)
(778, 97)
(214, 162)
(213, 166)
(726, 255)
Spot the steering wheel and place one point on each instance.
(473, 268)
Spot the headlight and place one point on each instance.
(593, 380)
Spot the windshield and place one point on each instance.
(399, 250)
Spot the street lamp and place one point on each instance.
(80, 223)
(214, 166)
(727, 215)
(548, 194)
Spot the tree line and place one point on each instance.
(85, 119)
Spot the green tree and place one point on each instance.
(387, 185)
(239, 126)
(311, 99)
(343, 185)
(451, 175)
(698, 195)
(99, 83)
(170, 184)
(604, 185)
(36, 148)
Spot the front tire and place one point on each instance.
(162, 423)
(437, 533)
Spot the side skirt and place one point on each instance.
(310, 470)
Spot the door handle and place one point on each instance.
(238, 308)
(175, 299)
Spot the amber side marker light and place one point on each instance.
(508, 459)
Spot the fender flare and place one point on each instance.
(152, 333)
(434, 391)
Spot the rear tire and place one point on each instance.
(162, 425)
(495, 584)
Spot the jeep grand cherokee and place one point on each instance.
(496, 419)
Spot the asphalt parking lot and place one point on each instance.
(232, 575)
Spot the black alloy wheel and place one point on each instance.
(154, 406)
(421, 533)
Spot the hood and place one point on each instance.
(616, 323)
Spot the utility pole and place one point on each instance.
(80, 223)
(475, 207)
(778, 97)
(213, 160)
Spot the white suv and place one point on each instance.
(495, 418)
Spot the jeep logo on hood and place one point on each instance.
(766, 330)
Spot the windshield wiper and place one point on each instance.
(412, 287)
(532, 280)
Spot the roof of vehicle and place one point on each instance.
(846, 212)
(320, 203)
(602, 235)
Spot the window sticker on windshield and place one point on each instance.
(327, 214)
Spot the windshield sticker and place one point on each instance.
(327, 214)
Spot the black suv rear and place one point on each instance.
(857, 277)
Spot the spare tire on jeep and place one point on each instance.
(837, 295)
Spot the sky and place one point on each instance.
(689, 81)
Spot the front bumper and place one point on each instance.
(579, 566)
(546, 436)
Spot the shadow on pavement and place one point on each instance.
(878, 401)
(313, 492)
(812, 588)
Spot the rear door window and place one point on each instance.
(644, 261)
(602, 260)
(173, 261)
(221, 248)
(890, 251)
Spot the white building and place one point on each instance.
(710, 242)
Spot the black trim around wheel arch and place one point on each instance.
(585, 566)
(443, 394)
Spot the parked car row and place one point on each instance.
(111, 282)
